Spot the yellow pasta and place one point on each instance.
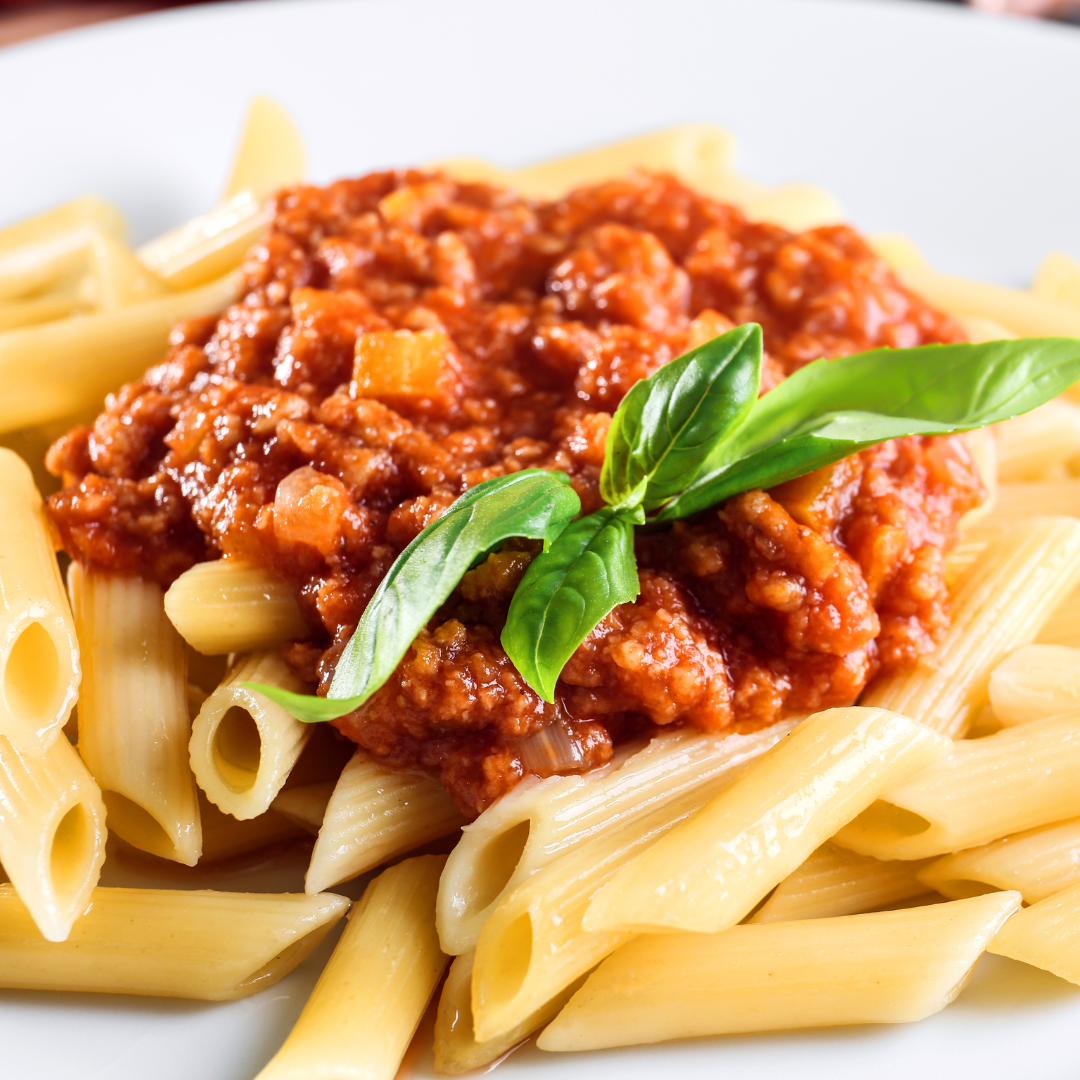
(1037, 863)
(1016, 779)
(371, 997)
(71, 364)
(835, 882)
(1045, 935)
(533, 945)
(1058, 279)
(38, 252)
(270, 153)
(542, 819)
(1034, 682)
(305, 804)
(456, 1048)
(52, 832)
(1034, 499)
(709, 873)
(889, 967)
(243, 745)
(1001, 604)
(1063, 626)
(1024, 313)
(134, 723)
(39, 653)
(230, 605)
(372, 816)
(226, 838)
(217, 946)
(1034, 445)
(39, 309)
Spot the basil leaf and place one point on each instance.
(566, 591)
(534, 503)
(833, 408)
(668, 424)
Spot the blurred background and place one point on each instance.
(22, 20)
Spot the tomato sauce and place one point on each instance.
(403, 337)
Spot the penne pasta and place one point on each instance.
(1001, 604)
(39, 309)
(1058, 279)
(243, 745)
(39, 652)
(889, 967)
(710, 872)
(983, 447)
(834, 882)
(542, 819)
(71, 364)
(1035, 445)
(1028, 500)
(1034, 682)
(305, 805)
(374, 815)
(52, 833)
(226, 838)
(215, 946)
(1045, 935)
(1016, 779)
(533, 945)
(36, 253)
(1063, 626)
(1025, 314)
(1036, 863)
(134, 723)
(270, 152)
(456, 1048)
(230, 605)
(372, 995)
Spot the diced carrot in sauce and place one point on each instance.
(403, 366)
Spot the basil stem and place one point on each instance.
(535, 503)
(833, 408)
(567, 590)
(667, 426)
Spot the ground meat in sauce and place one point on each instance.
(260, 436)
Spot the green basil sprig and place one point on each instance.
(692, 435)
(833, 408)
(534, 502)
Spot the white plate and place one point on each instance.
(957, 130)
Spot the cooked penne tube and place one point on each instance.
(794, 206)
(983, 447)
(39, 309)
(1016, 779)
(64, 366)
(134, 724)
(210, 246)
(1063, 626)
(52, 832)
(225, 837)
(243, 745)
(230, 605)
(117, 278)
(1058, 279)
(1001, 604)
(39, 652)
(1032, 446)
(37, 252)
(712, 870)
(456, 1048)
(305, 805)
(372, 995)
(533, 945)
(1037, 863)
(835, 882)
(541, 819)
(270, 152)
(374, 815)
(1038, 498)
(1034, 682)
(889, 967)
(216, 946)
(1025, 314)
(1045, 935)
(899, 251)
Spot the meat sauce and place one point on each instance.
(403, 337)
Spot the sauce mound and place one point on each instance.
(403, 337)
